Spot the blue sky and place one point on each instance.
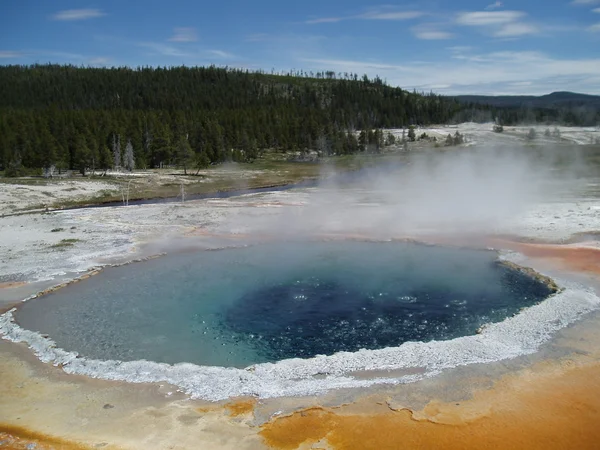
(450, 47)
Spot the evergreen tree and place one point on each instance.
(184, 155)
(201, 161)
(390, 140)
(161, 146)
(83, 154)
(362, 141)
(458, 138)
(44, 109)
(105, 158)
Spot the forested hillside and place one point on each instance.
(553, 100)
(72, 118)
(568, 108)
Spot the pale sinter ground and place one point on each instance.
(31, 250)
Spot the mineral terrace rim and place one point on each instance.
(321, 374)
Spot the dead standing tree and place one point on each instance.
(129, 157)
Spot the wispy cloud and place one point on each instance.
(494, 5)
(99, 61)
(10, 54)
(350, 65)
(392, 15)
(501, 24)
(184, 34)
(60, 55)
(595, 29)
(491, 73)
(430, 32)
(483, 18)
(521, 83)
(187, 55)
(78, 14)
(460, 48)
(375, 14)
(584, 2)
(221, 54)
(326, 20)
(596, 10)
(516, 29)
(164, 49)
(42, 54)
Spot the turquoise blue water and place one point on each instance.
(237, 307)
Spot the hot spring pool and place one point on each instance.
(268, 302)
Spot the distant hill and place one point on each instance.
(553, 100)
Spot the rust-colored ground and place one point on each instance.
(241, 407)
(556, 411)
(550, 405)
(19, 438)
(585, 259)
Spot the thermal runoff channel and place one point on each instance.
(267, 302)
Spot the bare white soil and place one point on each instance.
(483, 133)
(18, 197)
(453, 197)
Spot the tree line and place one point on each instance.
(76, 118)
(66, 117)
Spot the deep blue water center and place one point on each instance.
(236, 307)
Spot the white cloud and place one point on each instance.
(377, 14)
(325, 20)
(348, 65)
(78, 14)
(595, 28)
(596, 10)
(584, 2)
(10, 54)
(99, 61)
(493, 73)
(184, 34)
(483, 18)
(221, 54)
(397, 15)
(460, 48)
(164, 50)
(516, 29)
(188, 55)
(430, 33)
(502, 24)
(494, 5)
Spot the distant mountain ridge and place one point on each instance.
(553, 100)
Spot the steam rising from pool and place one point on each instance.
(301, 318)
